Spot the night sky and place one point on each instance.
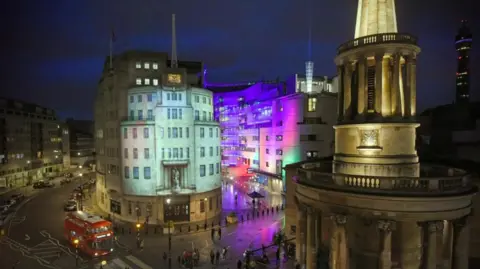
(54, 50)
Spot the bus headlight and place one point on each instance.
(111, 250)
(96, 254)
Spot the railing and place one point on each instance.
(377, 39)
(395, 186)
(137, 118)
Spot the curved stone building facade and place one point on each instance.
(158, 144)
(375, 205)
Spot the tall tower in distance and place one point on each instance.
(463, 44)
(174, 63)
(309, 63)
(375, 206)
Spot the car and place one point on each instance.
(42, 184)
(70, 205)
(4, 209)
(65, 181)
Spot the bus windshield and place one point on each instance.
(102, 244)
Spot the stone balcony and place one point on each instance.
(434, 181)
(377, 39)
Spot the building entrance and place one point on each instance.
(178, 210)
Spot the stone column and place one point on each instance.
(386, 99)
(340, 93)
(447, 245)
(378, 83)
(386, 227)
(311, 261)
(362, 76)
(347, 91)
(432, 228)
(396, 108)
(413, 87)
(339, 244)
(300, 236)
(407, 85)
(461, 229)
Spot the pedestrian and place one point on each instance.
(212, 256)
(142, 244)
(277, 255)
(213, 233)
(220, 233)
(297, 265)
(239, 264)
(217, 256)
(164, 256)
(179, 259)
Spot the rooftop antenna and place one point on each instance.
(309, 62)
(174, 61)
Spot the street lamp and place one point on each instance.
(104, 262)
(75, 242)
(169, 239)
(205, 210)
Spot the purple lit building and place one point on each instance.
(271, 124)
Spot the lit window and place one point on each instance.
(139, 81)
(138, 65)
(155, 66)
(147, 81)
(312, 104)
(149, 97)
(146, 65)
(146, 173)
(135, 172)
(155, 82)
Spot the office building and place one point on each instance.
(375, 205)
(157, 145)
(31, 145)
(463, 44)
(271, 124)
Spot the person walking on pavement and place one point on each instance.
(217, 256)
(220, 233)
(239, 264)
(212, 256)
(213, 233)
(142, 242)
(164, 256)
(277, 255)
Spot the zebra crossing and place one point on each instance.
(127, 262)
(46, 250)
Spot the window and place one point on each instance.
(197, 99)
(181, 153)
(126, 172)
(155, 82)
(145, 133)
(209, 100)
(140, 114)
(132, 115)
(135, 153)
(169, 153)
(146, 65)
(138, 81)
(187, 132)
(175, 153)
(204, 100)
(267, 164)
(168, 96)
(174, 132)
(210, 116)
(267, 151)
(279, 152)
(132, 99)
(146, 173)
(138, 65)
(202, 206)
(204, 115)
(197, 116)
(211, 151)
(135, 172)
(139, 98)
(125, 133)
(149, 97)
(168, 113)
(218, 150)
(210, 169)
(134, 132)
(146, 153)
(179, 96)
(202, 170)
(202, 132)
(312, 104)
(174, 113)
(312, 154)
(163, 153)
(180, 132)
(188, 153)
(308, 137)
(155, 66)
(279, 137)
(217, 168)
(216, 131)
(267, 138)
(147, 81)
(150, 114)
(125, 153)
(180, 112)
(202, 151)
(210, 132)
(169, 132)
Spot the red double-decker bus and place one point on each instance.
(90, 234)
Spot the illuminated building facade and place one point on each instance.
(31, 145)
(156, 140)
(463, 44)
(375, 205)
(272, 124)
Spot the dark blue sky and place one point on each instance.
(55, 48)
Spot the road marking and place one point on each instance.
(27, 237)
(120, 263)
(138, 262)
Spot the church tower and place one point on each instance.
(375, 133)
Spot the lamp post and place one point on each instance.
(75, 242)
(169, 239)
(206, 200)
(104, 262)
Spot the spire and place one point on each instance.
(174, 61)
(375, 17)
